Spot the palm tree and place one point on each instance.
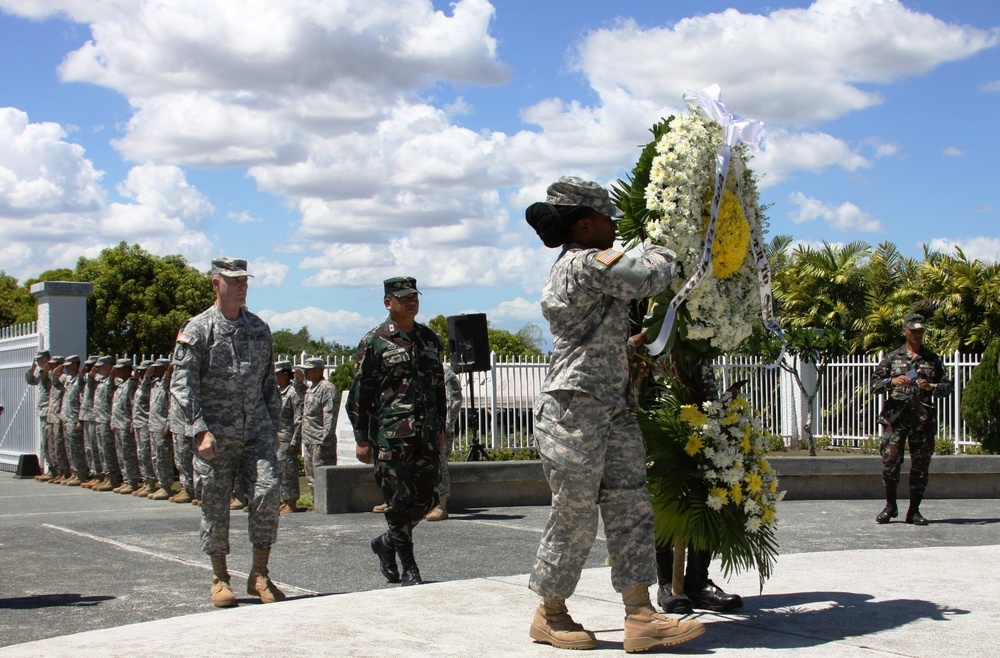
(889, 296)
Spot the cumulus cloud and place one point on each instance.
(985, 248)
(953, 151)
(344, 327)
(993, 86)
(843, 217)
(787, 152)
(268, 273)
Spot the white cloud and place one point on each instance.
(268, 273)
(344, 327)
(787, 152)
(985, 248)
(518, 309)
(165, 188)
(953, 151)
(843, 217)
(993, 86)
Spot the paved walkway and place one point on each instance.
(933, 596)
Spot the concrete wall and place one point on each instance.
(343, 489)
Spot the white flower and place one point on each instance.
(753, 525)
(715, 502)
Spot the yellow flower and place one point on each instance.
(736, 493)
(740, 403)
(732, 234)
(719, 492)
(754, 483)
(768, 515)
(745, 444)
(694, 444)
(764, 467)
(773, 486)
(731, 418)
(690, 414)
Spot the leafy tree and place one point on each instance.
(17, 304)
(294, 344)
(140, 300)
(981, 401)
(889, 296)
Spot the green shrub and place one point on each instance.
(981, 401)
(775, 443)
(870, 445)
(497, 454)
(944, 446)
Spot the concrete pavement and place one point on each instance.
(81, 567)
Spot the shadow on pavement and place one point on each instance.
(51, 601)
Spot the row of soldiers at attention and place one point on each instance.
(110, 426)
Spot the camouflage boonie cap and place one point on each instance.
(226, 266)
(105, 360)
(72, 358)
(574, 191)
(123, 363)
(281, 366)
(400, 286)
(56, 360)
(314, 362)
(914, 321)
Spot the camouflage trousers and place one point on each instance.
(921, 443)
(316, 455)
(183, 459)
(73, 438)
(46, 436)
(407, 474)
(144, 448)
(109, 452)
(58, 456)
(163, 456)
(594, 458)
(288, 463)
(253, 466)
(92, 450)
(444, 484)
(128, 458)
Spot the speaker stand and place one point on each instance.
(476, 451)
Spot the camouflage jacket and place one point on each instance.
(44, 383)
(585, 301)
(908, 402)
(453, 393)
(319, 414)
(103, 395)
(290, 430)
(223, 378)
(71, 399)
(121, 404)
(87, 398)
(159, 405)
(398, 392)
(140, 403)
(56, 392)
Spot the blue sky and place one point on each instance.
(337, 144)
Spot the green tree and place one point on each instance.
(291, 344)
(140, 300)
(17, 304)
(981, 401)
(889, 280)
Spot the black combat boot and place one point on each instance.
(382, 547)
(411, 574)
(705, 594)
(913, 513)
(891, 511)
(671, 604)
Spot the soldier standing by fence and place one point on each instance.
(319, 420)
(289, 437)
(103, 395)
(914, 377)
(161, 443)
(37, 374)
(121, 422)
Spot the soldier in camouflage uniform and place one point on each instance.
(121, 423)
(225, 389)
(93, 451)
(103, 395)
(299, 380)
(289, 437)
(72, 428)
(140, 425)
(453, 391)
(160, 438)
(183, 449)
(57, 443)
(592, 450)
(38, 375)
(397, 406)
(320, 410)
(914, 377)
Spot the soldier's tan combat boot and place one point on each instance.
(111, 483)
(380, 509)
(182, 496)
(440, 511)
(553, 625)
(142, 491)
(236, 504)
(645, 628)
(46, 477)
(258, 584)
(126, 489)
(90, 482)
(78, 478)
(160, 494)
(222, 593)
(288, 507)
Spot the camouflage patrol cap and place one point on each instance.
(314, 362)
(56, 360)
(123, 363)
(298, 366)
(105, 360)
(72, 358)
(162, 362)
(145, 364)
(91, 360)
(914, 321)
(226, 266)
(42, 354)
(574, 191)
(400, 286)
(282, 366)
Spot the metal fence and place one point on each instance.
(20, 432)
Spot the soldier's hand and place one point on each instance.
(277, 443)
(205, 443)
(364, 453)
(441, 438)
(924, 384)
(900, 380)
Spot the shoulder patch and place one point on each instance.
(608, 256)
(185, 338)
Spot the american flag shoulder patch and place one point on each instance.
(184, 338)
(608, 256)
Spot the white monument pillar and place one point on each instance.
(62, 316)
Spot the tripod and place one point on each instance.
(476, 450)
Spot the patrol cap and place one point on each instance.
(72, 358)
(914, 321)
(42, 354)
(105, 360)
(574, 191)
(298, 366)
(229, 266)
(91, 360)
(314, 362)
(56, 360)
(400, 286)
(281, 366)
(144, 365)
(123, 363)
(162, 362)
